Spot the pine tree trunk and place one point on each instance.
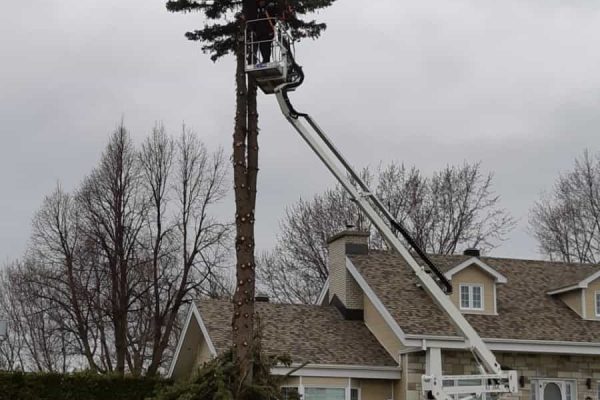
(245, 159)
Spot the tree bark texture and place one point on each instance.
(245, 159)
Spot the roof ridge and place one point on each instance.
(387, 252)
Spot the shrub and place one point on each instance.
(217, 380)
(79, 386)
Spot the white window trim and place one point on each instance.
(536, 392)
(596, 294)
(302, 387)
(469, 287)
(346, 389)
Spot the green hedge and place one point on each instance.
(80, 386)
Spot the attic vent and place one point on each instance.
(262, 298)
(472, 252)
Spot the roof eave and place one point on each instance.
(341, 371)
(512, 345)
(498, 277)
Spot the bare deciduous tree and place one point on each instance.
(566, 222)
(453, 209)
(110, 269)
(115, 211)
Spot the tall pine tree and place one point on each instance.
(223, 34)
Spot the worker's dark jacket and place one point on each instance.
(264, 29)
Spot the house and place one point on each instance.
(368, 336)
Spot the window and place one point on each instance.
(598, 304)
(354, 394)
(314, 393)
(471, 297)
(289, 393)
(553, 389)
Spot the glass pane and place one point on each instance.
(353, 394)
(464, 296)
(552, 392)
(324, 394)
(597, 303)
(476, 297)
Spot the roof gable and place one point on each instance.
(498, 277)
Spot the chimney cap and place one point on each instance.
(262, 298)
(472, 252)
(348, 233)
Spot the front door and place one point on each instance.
(553, 389)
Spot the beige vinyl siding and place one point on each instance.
(292, 381)
(590, 299)
(475, 275)
(373, 389)
(380, 329)
(194, 351)
(204, 354)
(573, 300)
(324, 382)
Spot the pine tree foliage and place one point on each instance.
(218, 380)
(223, 16)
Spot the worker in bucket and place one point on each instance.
(264, 28)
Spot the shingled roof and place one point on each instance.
(308, 333)
(525, 310)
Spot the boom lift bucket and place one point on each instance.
(274, 72)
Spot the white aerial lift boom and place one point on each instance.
(278, 76)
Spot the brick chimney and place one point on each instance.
(344, 292)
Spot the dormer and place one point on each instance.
(474, 283)
(582, 296)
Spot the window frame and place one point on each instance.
(596, 297)
(469, 287)
(317, 386)
(563, 384)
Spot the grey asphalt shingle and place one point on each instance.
(525, 310)
(307, 333)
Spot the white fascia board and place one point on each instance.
(340, 371)
(193, 314)
(323, 293)
(512, 345)
(207, 338)
(387, 317)
(566, 289)
(188, 318)
(474, 260)
(590, 279)
(543, 346)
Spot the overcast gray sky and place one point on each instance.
(513, 83)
